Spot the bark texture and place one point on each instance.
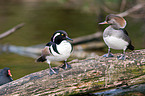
(88, 75)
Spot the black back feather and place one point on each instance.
(41, 59)
(131, 47)
(125, 32)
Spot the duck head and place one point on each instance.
(115, 21)
(6, 72)
(59, 36)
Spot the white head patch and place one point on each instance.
(55, 36)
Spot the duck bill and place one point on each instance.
(69, 38)
(9, 73)
(103, 22)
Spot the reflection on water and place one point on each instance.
(41, 20)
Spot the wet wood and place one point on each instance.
(88, 75)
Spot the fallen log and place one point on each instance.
(134, 90)
(88, 75)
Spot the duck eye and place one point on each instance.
(62, 34)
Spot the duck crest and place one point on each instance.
(120, 21)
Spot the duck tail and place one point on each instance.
(131, 47)
(41, 59)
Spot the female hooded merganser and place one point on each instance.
(58, 49)
(5, 76)
(115, 36)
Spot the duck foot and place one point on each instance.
(121, 57)
(108, 55)
(53, 71)
(66, 66)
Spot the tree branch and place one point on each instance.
(5, 34)
(88, 38)
(133, 9)
(122, 6)
(127, 12)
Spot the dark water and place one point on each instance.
(41, 20)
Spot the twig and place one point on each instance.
(88, 38)
(133, 9)
(5, 34)
(106, 9)
(123, 3)
(127, 12)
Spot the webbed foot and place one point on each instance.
(53, 71)
(108, 55)
(66, 66)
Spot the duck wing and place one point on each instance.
(45, 52)
(130, 46)
(125, 32)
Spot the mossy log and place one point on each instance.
(86, 76)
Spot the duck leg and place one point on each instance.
(122, 57)
(52, 70)
(66, 66)
(109, 54)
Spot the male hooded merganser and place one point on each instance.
(5, 76)
(115, 36)
(58, 49)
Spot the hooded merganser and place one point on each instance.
(115, 36)
(5, 76)
(58, 49)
